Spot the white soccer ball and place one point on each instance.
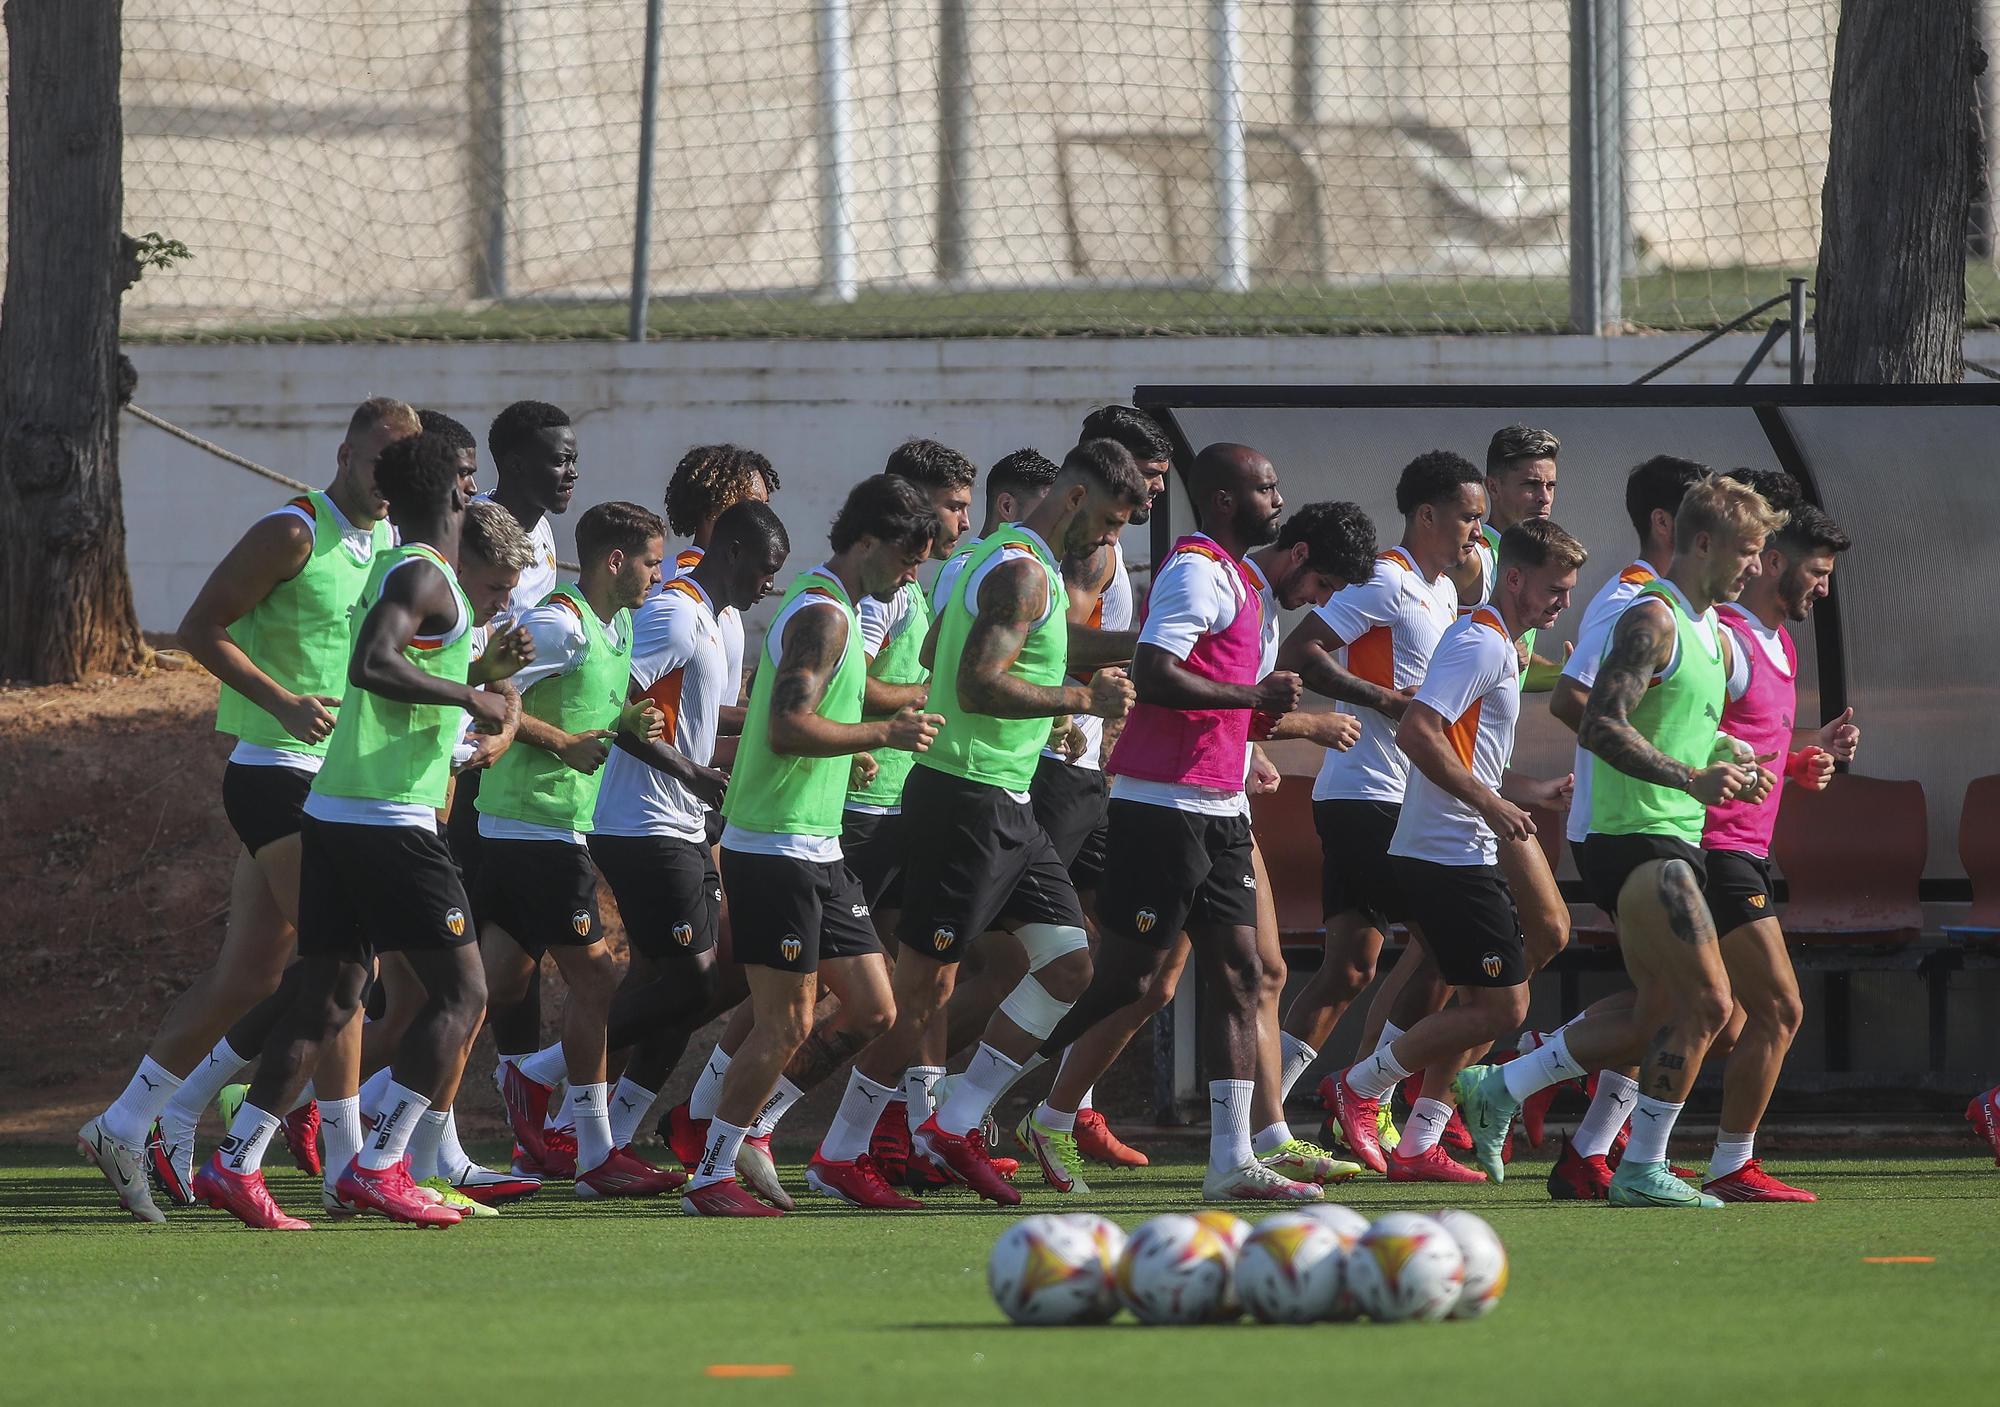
(1349, 1226)
(1485, 1263)
(1234, 1231)
(1289, 1271)
(1406, 1267)
(1109, 1238)
(1043, 1270)
(1175, 1270)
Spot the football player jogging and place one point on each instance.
(1459, 734)
(1320, 549)
(798, 913)
(1796, 571)
(977, 853)
(537, 889)
(374, 872)
(271, 624)
(1652, 726)
(1367, 648)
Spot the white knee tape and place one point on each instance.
(1030, 1007)
(1045, 942)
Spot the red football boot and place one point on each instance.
(1006, 1167)
(1575, 1178)
(725, 1198)
(1750, 1183)
(493, 1189)
(965, 1158)
(390, 1192)
(626, 1174)
(889, 1144)
(165, 1165)
(685, 1134)
(559, 1152)
(858, 1183)
(1357, 1118)
(244, 1196)
(1457, 1135)
(1096, 1141)
(1983, 1114)
(924, 1175)
(301, 1128)
(527, 1104)
(1432, 1165)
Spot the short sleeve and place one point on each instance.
(1739, 648)
(662, 642)
(1467, 666)
(1191, 598)
(1353, 611)
(1590, 642)
(558, 637)
(879, 619)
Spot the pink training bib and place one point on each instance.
(1763, 719)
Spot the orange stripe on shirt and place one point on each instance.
(1635, 575)
(1464, 734)
(1372, 657)
(1397, 554)
(1488, 617)
(684, 587)
(665, 692)
(687, 558)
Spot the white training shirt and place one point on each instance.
(1193, 595)
(818, 849)
(678, 661)
(360, 545)
(537, 580)
(729, 619)
(560, 643)
(367, 811)
(882, 623)
(948, 573)
(1391, 623)
(1769, 645)
(1474, 684)
(1592, 636)
(1115, 610)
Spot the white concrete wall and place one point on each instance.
(825, 412)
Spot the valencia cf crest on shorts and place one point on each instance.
(1757, 901)
(1491, 964)
(791, 948)
(1144, 920)
(941, 939)
(684, 934)
(580, 921)
(454, 920)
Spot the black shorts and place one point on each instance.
(542, 892)
(370, 889)
(667, 891)
(1354, 871)
(872, 845)
(1166, 869)
(263, 804)
(793, 914)
(976, 856)
(1070, 803)
(461, 824)
(1739, 889)
(713, 825)
(1467, 919)
(1605, 862)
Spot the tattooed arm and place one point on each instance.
(814, 642)
(1641, 646)
(1012, 599)
(1308, 653)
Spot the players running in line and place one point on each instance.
(928, 767)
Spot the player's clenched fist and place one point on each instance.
(1111, 694)
(1278, 692)
(911, 729)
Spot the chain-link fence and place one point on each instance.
(898, 167)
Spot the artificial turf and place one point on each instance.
(587, 1304)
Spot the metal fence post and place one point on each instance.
(1232, 176)
(834, 28)
(1597, 217)
(1308, 51)
(486, 151)
(642, 220)
(954, 140)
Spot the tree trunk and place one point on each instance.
(65, 595)
(1903, 167)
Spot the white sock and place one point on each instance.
(587, 1106)
(389, 1136)
(629, 1105)
(372, 1091)
(854, 1122)
(1084, 1103)
(1424, 1127)
(1028, 1067)
(718, 1159)
(339, 1134)
(782, 1099)
(1391, 1033)
(1374, 1077)
(708, 1088)
(452, 1157)
(1732, 1151)
(1229, 1124)
(1296, 1057)
(249, 1136)
(424, 1144)
(1053, 1119)
(183, 1112)
(306, 1096)
(1270, 1140)
(1652, 1122)
(1549, 1063)
(985, 1079)
(919, 1089)
(130, 1117)
(545, 1066)
(1610, 1107)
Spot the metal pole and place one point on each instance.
(835, 34)
(1798, 331)
(487, 147)
(1308, 49)
(954, 140)
(1596, 166)
(1232, 177)
(642, 220)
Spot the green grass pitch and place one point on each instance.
(584, 1304)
